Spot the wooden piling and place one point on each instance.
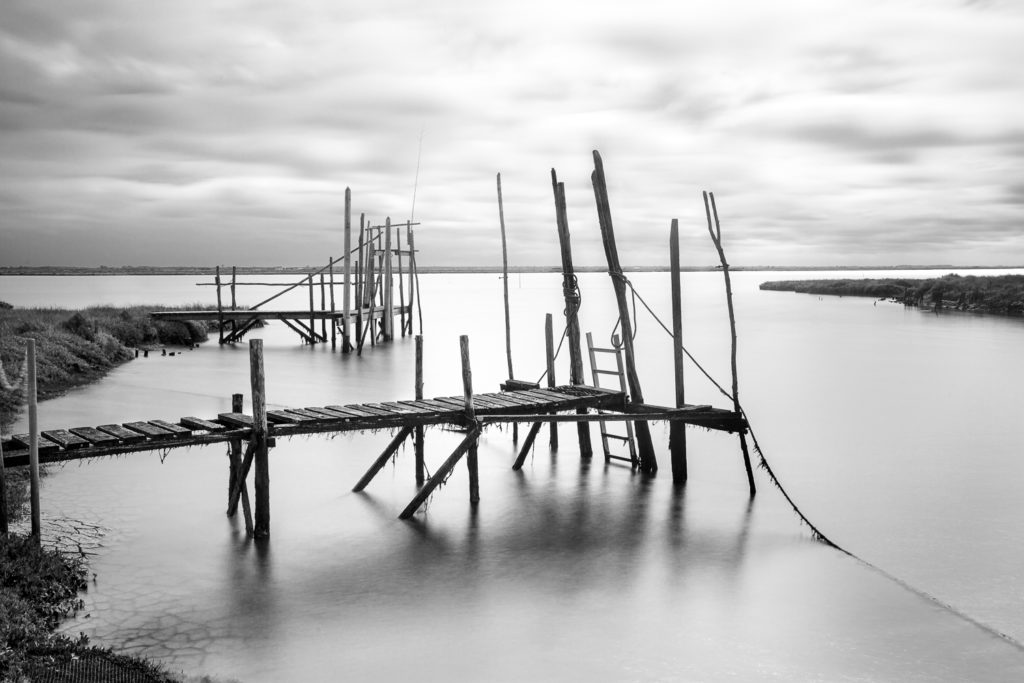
(412, 273)
(346, 289)
(33, 452)
(418, 435)
(401, 280)
(388, 323)
(312, 309)
(716, 237)
(645, 446)
(549, 353)
(234, 474)
(220, 307)
(504, 280)
(334, 319)
(259, 435)
(467, 388)
(677, 430)
(323, 306)
(570, 290)
(360, 281)
(234, 301)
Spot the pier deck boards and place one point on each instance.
(526, 405)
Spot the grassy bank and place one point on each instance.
(995, 294)
(40, 586)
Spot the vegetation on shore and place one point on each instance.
(994, 294)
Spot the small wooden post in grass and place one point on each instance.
(234, 474)
(418, 435)
(33, 449)
(220, 306)
(549, 352)
(467, 389)
(677, 430)
(346, 288)
(645, 446)
(259, 436)
(570, 290)
(716, 237)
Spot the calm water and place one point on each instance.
(892, 428)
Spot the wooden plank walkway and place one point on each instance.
(529, 405)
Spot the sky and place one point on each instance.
(203, 132)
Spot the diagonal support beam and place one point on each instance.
(442, 473)
(243, 472)
(527, 445)
(402, 435)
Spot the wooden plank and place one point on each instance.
(305, 414)
(177, 430)
(204, 425)
(405, 407)
(148, 430)
(125, 436)
(376, 412)
(235, 419)
(485, 403)
(521, 399)
(544, 398)
(94, 436)
(496, 399)
(328, 414)
(353, 411)
(394, 409)
(282, 417)
(458, 403)
(64, 439)
(430, 404)
(23, 441)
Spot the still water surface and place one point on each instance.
(892, 428)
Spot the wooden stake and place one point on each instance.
(572, 304)
(323, 306)
(716, 237)
(33, 449)
(346, 290)
(259, 435)
(383, 458)
(234, 303)
(312, 322)
(389, 304)
(235, 466)
(645, 446)
(360, 301)
(549, 352)
(418, 437)
(677, 430)
(527, 445)
(334, 319)
(412, 268)
(401, 280)
(504, 279)
(467, 388)
(442, 473)
(220, 307)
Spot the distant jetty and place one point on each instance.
(992, 294)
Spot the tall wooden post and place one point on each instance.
(360, 301)
(234, 302)
(716, 237)
(549, 353)
(412, 272)
(33, 441)
(401, 280)
(259, 435)
(220, 306)
(312, 320)
(467, 388)
(334, 319)
(389, 312)
(346, 290)
(504, 279)
(677, 430)
(570, 290)
(645, 446)
(323, 308)
(421, 468)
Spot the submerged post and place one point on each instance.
(570, 289)
(648, 461)
(33, 440)
(259, 437)
(346, 289)
(467, 389)
(716, 237)
(418, 434)
(677, 430)
(549, 353)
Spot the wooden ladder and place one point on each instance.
(619, 372)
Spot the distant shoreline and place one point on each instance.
(434, 270)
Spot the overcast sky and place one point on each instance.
(872, 132)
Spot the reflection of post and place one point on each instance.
(418, 435)
(259, 436)
(33, 440)
(648, 461)
(346, 290)
(570, 290)
(467, 388)
(677, 430)
(549, 352)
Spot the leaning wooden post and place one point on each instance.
(389, 304)
(467, 388)
(346, 289)
(570, 290)
(259, 436)
(33, 441)
(549, 352)
(716, 237)
(220, 306)
(645, 446)
(677, 430)
(418, 435)
(234, 473)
